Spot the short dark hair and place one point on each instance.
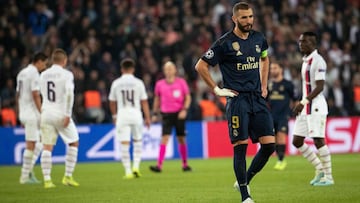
(311, 34)
(240, 6)
(127, 63)
(40, 56)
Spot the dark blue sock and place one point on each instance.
(280, 151)
(240, 169)
(260, 160)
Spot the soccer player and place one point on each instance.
(57, 90)
(242, 57)
(281, 94)
(127, 97)
(172, 99)
(29, 104)
(312, 111)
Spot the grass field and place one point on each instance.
(211, 181)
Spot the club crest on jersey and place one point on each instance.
(281, 88)
(236, 47)
(209, 54)
(257, 48)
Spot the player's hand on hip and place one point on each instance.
(66, 121)
(223, 92)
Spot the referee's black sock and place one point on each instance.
(280, 151)
(260, 160)
(240, 169)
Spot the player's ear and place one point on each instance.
(233, 18)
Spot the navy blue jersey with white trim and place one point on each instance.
(239, 60)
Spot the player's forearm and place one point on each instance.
(187, 102)
(113, 109)
(37, 100)
(319, 88)
(203, 70)
(17, 104)
(156, 104)
(146, 109)
(69, 103)
(264, 71)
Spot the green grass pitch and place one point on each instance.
(210, 182)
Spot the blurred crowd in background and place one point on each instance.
(97, 34)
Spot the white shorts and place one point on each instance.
(32, 130)
(310, 126)
(124, 132)
(51, 127)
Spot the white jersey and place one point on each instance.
(27, 81)
(57, 90)
(128, 91)
(313, 69)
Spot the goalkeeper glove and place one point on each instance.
(223, 92)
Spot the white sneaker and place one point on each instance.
(318, 176)
(236, 187)
(248, 200)
(324, 181)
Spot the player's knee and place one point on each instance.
(319, 142)
(297, 142)
(267, 149)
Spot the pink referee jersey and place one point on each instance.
(313, 69)
(172, 96)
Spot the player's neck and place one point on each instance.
(170, 79)
(278, 79)
(242, 35)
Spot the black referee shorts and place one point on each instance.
(170, 120)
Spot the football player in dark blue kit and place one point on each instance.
(281, 95)
(244, 64)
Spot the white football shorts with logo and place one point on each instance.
(129, 123)
(51, 125)
(313, 125)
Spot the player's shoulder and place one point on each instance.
(225, 37)
(138, 80)
(161, 82)
(180, 80)
(287, 82)
(318, 59)
(116, 81)
(256, 34)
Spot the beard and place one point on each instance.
(245, 28)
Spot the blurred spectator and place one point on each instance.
(356, 93)
(38, 18)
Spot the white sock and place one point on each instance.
(325, 158)
(125, 158)
(26, 166)
(70, 160)
(137, 153)
(37, 151)
(46, 164)
(311, 156)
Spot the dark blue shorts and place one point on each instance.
(281, 124)
(248, 117)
